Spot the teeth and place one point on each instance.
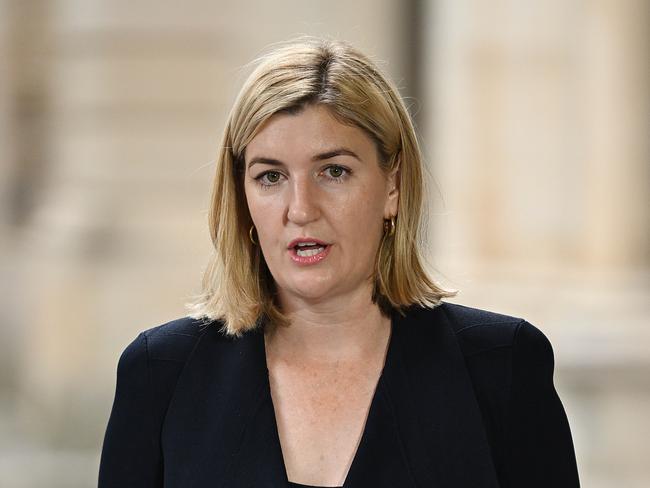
(309, 252)
(306, 243)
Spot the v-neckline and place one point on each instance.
(388, 361)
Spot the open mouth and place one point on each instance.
(308, 250)
(306, 253)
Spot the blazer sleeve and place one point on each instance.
(540, 450)
(131, 453)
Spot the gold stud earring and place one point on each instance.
(389, 226)
(250, 235)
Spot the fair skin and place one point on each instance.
(309, 175)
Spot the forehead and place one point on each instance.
(313, 129)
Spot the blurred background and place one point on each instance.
(534, 120)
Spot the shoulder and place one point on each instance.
(481, 331)
(149, 367)
(495, 346)
(498, 349)
(504, 355)
(155, 358)
(171, 341)
(174, 340)
(510, 363)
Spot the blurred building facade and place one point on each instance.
(534, 120)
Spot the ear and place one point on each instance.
(392, 198)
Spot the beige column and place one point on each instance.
(538, 135)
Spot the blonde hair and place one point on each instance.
(238, 288)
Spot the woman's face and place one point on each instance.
(313, 179)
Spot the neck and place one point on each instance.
(349, 328)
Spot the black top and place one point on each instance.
(465, 398)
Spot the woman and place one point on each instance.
(320, 353)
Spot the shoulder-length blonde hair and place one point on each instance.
(238, 288)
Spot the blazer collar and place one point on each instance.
(424, 427)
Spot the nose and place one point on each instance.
(303, 206)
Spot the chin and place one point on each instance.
(310, 292)
(310, 288)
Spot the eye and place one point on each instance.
(273, 176)
(337, 173)
(268, 178)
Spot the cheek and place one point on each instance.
(256, 203)
(266, 214)
(367, 206)
(359, 220)
(263, 218)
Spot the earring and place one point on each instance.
(250, 235)
(389, 226)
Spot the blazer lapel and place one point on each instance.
(258, 460)
(433, 404)
(222, 418)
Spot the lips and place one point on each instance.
(306, 240)
(306, 251)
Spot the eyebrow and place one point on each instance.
(340, 151)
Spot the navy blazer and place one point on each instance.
(465, 399)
